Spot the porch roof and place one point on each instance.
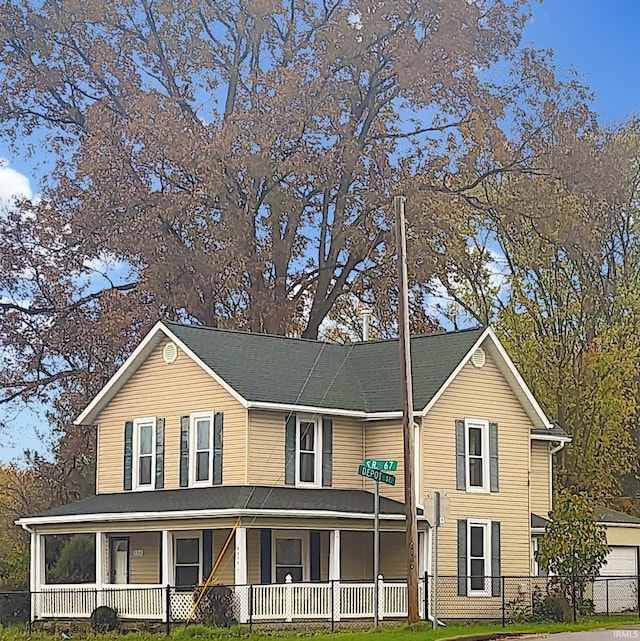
(228, 498)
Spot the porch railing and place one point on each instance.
(330, 601)
(336, 601)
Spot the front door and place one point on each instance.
(119, 561)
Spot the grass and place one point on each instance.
(419, 632)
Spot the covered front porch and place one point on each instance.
(278, 568)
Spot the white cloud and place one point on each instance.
(13, 184)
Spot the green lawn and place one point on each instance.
(420, 632)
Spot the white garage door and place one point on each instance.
(613, 592)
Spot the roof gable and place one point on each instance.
(360, 379)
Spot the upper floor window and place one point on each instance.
(201, 431)
(477, 459)
(144, 454)
(308, 455)
(308, 450)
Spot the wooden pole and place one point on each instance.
(407, 412)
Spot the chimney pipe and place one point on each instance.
(366, 318)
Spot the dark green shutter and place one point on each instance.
(159, 453)
(218, 422)
(314, 553)
(207, 553)
(327, 451)
(462, 557)
(461, 463)
(184, 451)
(290, 451)
(495, 558)
(265, 556)
(493, 451)
(128, 455)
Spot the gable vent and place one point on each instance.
(478, 358)
(170, 353)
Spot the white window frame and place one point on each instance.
(486, 525)
(486, 462)
(303, 535)
(195, 534)
(137, 423)
(535, 569)
(317, 441)
(193, 441)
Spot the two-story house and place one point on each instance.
(240, 451)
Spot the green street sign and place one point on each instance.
(386, 466)
(376, 475)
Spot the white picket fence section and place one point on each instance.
(334, 600)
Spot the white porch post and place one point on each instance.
(240, 573)
(167, 557)
(36, 572)
(100, 568)
(241, 556)
(334, 556)
(167, 577)
(334, 571)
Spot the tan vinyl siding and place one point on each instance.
(619, 535)
(356, 556)
(383, 440)
(225, 572)
(253, 556)
(481, 393)
(266, 448)
(348, 452)
(540, 478)
(144, 558)
(169, 391)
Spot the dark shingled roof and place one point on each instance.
(538, 522)
(606, 515)
(556, 430)
(361, 376)
(228, 497)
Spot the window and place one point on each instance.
(201, 431)
(144, 439)
(477, 455)
(289, 557)
(308, 451)
(187, 562)
(478, 558)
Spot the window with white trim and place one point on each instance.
(308, 451)
(477, 455)
(187, 561)
(479, 558)
(201, 448)
(290, 552)
(144, 455)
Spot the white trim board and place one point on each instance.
(124, 517)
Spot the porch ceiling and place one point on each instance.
(228, 498)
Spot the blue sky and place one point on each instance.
(598, 39)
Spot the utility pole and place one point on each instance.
(407, 412)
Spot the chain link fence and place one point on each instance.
(333, 604)
(522, 599)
